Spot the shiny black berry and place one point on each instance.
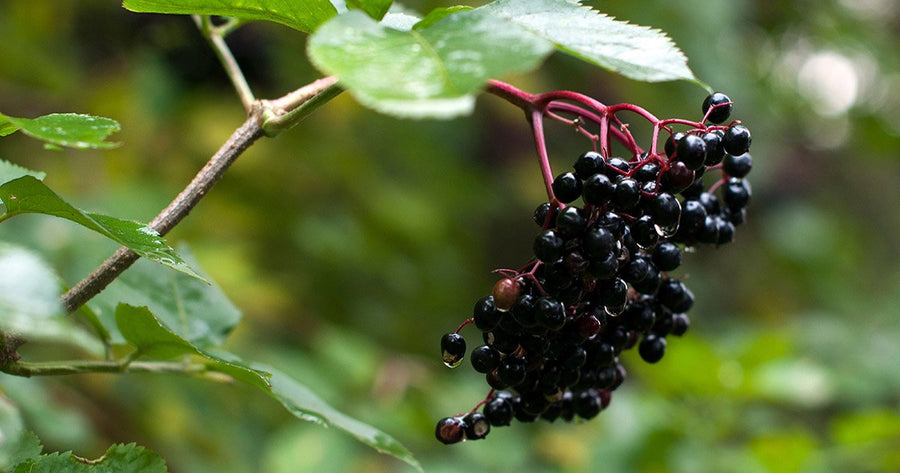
(499, 411)
(485, 359)
(598, 189)
(737, 193)
(453, 349)
(450, 430)
(627, 194)
(678, 177)
(548, 246)
(570, 222)
(667, 256)
(691, 150)
(567, 187)
(715, 148)
(477, 426)
(545, 214)
(737, 166)
(588, 164)
(485, 314)
(652, 348)
(736, 140)
(721, 105)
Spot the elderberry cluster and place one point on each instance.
(553, 333)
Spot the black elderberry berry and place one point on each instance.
(485, 314)
(588, 325)
(599, 242)
(477, 426)
(675, 296)
(485, 359)
(545, 214)
(693, 215)
(715, 149)
(667, 256)
(614, 295)
(453, 349)
(570, 377)
(678, 177)
(726, 231)
(617, 337)
(550, 313)
(575, 357)
(616, 167)
(709, 232)
(598, 189)
(549, 246)
(501, 340)
(666, 212)
(696, 188)
(640, 316)
(604, 268)
(691, 150)
(737, 193)
(722, 109)
(612, 222)
(586, 405)
(511, 371)
(605, 378)
(643, 230)
(735, 216)
(672, 144)
(534, 403)
(650, 282)
(652, 348)
(737, 139)
(737, 166)
(499, 411)
(520, 414)
(636, 270)
(648, 172)
(680, 324)
(493, 380)
(567, 187)
(588, 164)
(523, 310)
(450, 430)
(627, 194)
(710, 203)
(570, 222)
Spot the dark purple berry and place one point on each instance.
(599, 242)
(570, 222)
(567, 187)
(666, 212)
(499, 411)
(672, 143)
(453, 349)
(680, 324)
(485, 359)
(627, 194)
(678, 177)
(450, 430)
(588, 164)
(485, 314)
(545, 214)
(477, 426)
(598, 189)
(549, 246)
(715, 149)
(737, 139)
(737, 193)
(737, 166)
(652, 348)
(691, 150)
(721, 105)
(643, 230)
(550, 313)
(667, 256)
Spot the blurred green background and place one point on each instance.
(353, 242)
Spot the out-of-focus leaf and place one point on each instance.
(196, 311)
(304, 15)
(29, 301)
(73, 130)
(10, 171)
(374, 8)
(154, 340)
(428, 72)
(637, 52)
(118, 458)
(15, 444)
(29, 195)
(439, 14)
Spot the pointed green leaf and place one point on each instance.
(65, 129)
(428, 72)
(374, 8)
(6, 128)
(26, 447)
(29, 301)
(634, 51)
(153, 339)
(196, 311)
(304, 15)
(118, 458)
(438, 14)
(10, 171)
(29, 195)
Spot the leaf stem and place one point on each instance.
(59, 368)
(216, 38)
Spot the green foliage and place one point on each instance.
(118, 458)
(27, 194)
(429, 72)
(374, 8)
(303, 16)
(64, 129)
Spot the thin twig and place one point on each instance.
(123, 258)
(216, 38)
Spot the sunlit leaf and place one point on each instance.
(73, 130)
(374, 8)
(429, 72)
(303, 15)
(637, 52)
(29, 195)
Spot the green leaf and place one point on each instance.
(154, 340)
(10, 171)
(26, 447)
(29, 301)
(637, 52)
(29, 195)
(428, 72)
(374, 8)
(304, 15)
(7, 128)
(117, 459)
(65, 129)
(196, 311)
(438, 14)
(305, 404)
